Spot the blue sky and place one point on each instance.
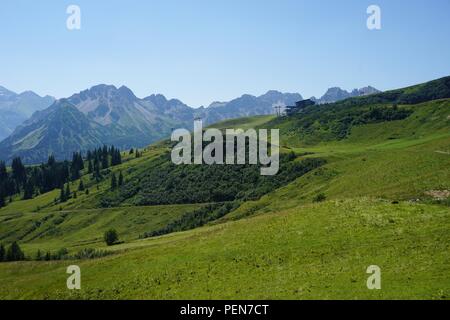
(200, 51)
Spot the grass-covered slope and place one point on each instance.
(78, 229)
(316, 251)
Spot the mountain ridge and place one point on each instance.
(16, 108)
(124, 120)
(335, 94)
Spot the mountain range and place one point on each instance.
(337, 94)
(16, 108)
(105, 114)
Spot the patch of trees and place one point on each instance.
(335, 122)
(102, 158)
(111, 237)
(165, 183)
(195, 219)
(33, 180)
(63, 254)
(12, 253)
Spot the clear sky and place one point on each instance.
(205, 50)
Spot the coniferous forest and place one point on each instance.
(28, 182)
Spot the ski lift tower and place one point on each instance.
(278, 110)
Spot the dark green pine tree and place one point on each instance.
(90, 168)
(120, 179)
(3, 172)
(2, 253)
(2, 197)
(113, 182)
(19, 172)
(39, 255)
(80, 161)
(81, 186)
(105, 158)
(116, 157)
(68, 193)
(14, 253)
(119, 157)
(96, 173)
(28, 190)
(62, 195)
(51, 161)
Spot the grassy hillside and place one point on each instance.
(80, 229)
(244, 123)
(316, 251)
(380, 196)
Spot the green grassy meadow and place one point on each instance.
(316, 251)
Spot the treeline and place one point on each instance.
(335, 121)
(195, 219)
(341, 126)
(14, 253)
(34, 180)
(102, 158)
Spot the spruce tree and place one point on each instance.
(120, 179)
(119, 157)
(28, 190)
(3, 172)
(39, 255)
(96, 174)
(14, 253)
(19, 172)
(113, 182)
(105, 159)
(2, 198)
(62, 195)
(2, 253)
(81, 186)
(68, 193)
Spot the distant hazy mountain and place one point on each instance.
(101, 115)
(16, 108)
(247, 105)
(336, 94)
(60, 130)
